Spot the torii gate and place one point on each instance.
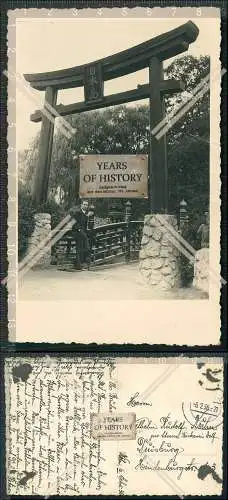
(150, 54)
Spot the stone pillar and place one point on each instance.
(201, 270)
(42, 230)
(158, 257)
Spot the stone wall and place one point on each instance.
(159, 258)
(41, 231)
(201, 270)
(66, 255)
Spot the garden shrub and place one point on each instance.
(189, 233)
(26, 223)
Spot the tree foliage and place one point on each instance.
(189, 138)
(26, 223)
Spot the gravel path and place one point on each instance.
(115, 282)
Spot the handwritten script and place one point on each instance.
(49, 433)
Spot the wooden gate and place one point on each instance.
(110, 243)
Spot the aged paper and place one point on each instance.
(114, 426)
(107, 304)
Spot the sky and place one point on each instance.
(48, 44)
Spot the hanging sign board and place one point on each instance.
(113, 176)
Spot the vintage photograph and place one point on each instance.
(118, 157)
(88, 426)
(103, 165)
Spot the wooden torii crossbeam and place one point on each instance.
(150, 54)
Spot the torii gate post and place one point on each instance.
(158, 188)
(158, 175)
(158, 256)
(40, 191)
(158, 183)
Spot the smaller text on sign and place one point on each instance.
(113, 176)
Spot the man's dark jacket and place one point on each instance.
(81, 220)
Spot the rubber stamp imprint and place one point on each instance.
(202, 415)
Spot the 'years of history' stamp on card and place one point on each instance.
(113, 426)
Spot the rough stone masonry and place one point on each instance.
(159, 258)
(41, 231)
(201, 270)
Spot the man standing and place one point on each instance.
(203, 232)
(80, 234)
